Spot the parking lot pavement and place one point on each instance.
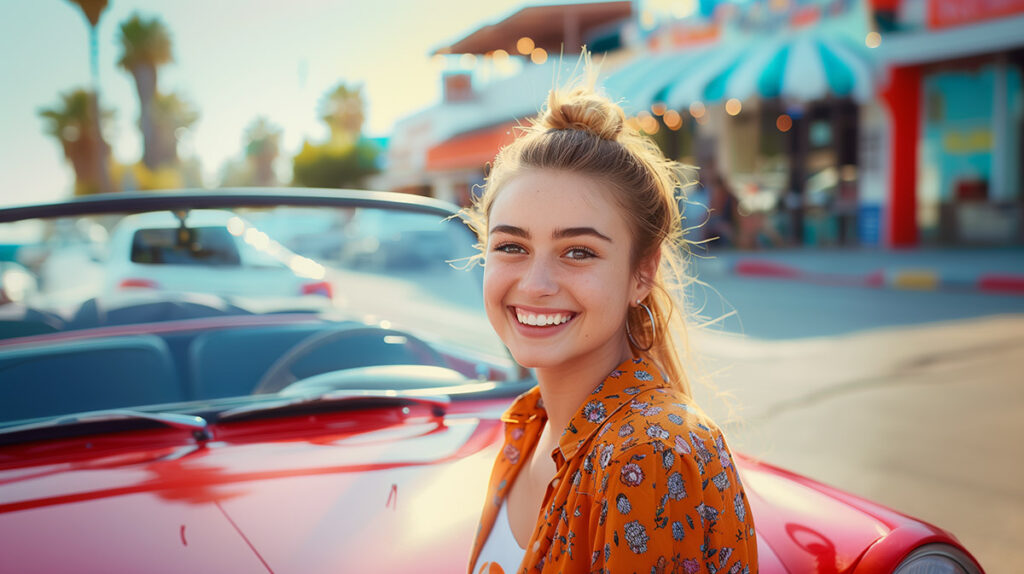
(923, 418)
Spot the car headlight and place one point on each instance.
(937, 559)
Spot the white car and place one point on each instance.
(206, 251)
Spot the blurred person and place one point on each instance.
(608, 464)
(723, 209)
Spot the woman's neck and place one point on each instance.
(565, 387)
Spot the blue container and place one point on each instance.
(869, 225)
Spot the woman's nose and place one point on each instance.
(539, 279)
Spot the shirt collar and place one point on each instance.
(527, 407)
(629, 379)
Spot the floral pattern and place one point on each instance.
(632, 475)
(645, 483)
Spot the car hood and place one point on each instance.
(317, 495)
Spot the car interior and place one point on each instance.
(193, 364)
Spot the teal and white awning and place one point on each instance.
(808, 67)
(691, 87)
(804, 67)
(646, 80)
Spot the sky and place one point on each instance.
(234, 60)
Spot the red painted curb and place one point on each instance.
(996, 283)
(1003, 283)
(756, 268)
(875, 279)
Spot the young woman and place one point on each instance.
(608, 465)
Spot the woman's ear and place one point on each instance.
(643, 278)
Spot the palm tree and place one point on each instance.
(146, 46)
(75, 125)
(261, 149)
(170, 114)
(343, 113)
(93, 11)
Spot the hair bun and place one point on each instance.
(584, 110)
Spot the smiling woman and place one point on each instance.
(608, 464)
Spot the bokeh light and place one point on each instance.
(733, 107)
(697, 109)
(236, 226)
(683, 8)
(468, 60)
(647, 19)
(873, 40)
(784, 123)
(647, 123)
(673, 120)
(658, 108)
(525, 45)
(539, 56)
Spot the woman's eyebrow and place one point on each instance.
(557, 234)
(511, 230)
(579, 231)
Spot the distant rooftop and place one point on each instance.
(550, 28)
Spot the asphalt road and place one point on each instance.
(782, 309)
(915, 400)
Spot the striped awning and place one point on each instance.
(647, 79)
(804, 67)
(690, 88)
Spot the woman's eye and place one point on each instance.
(510, 248)
(580, 253)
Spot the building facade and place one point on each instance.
(827, 122)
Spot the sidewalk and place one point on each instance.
(996, 270)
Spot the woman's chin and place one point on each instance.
(538, 359)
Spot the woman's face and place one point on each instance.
(557, 278)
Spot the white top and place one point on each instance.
(501, 548)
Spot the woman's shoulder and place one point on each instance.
(663, 419)
(666, 408)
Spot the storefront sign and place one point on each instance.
(458, 87)
(967, 142)
(949, 13)
(683, 36)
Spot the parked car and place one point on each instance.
(161, 431)
(208, 251)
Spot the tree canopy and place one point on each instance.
(346, 158)
(144, 42)
(75, 125)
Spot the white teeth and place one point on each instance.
(541, 320)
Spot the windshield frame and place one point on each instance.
(226, 199)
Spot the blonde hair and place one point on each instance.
(583, 132)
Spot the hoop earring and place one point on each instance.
(654, 330)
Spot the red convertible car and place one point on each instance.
(159, 430)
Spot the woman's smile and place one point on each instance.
(540, 323)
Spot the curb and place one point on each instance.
(905, 279)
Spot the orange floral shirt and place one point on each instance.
(644, 483)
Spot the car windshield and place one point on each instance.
(187, 309)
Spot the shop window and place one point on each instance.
(969, 172)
